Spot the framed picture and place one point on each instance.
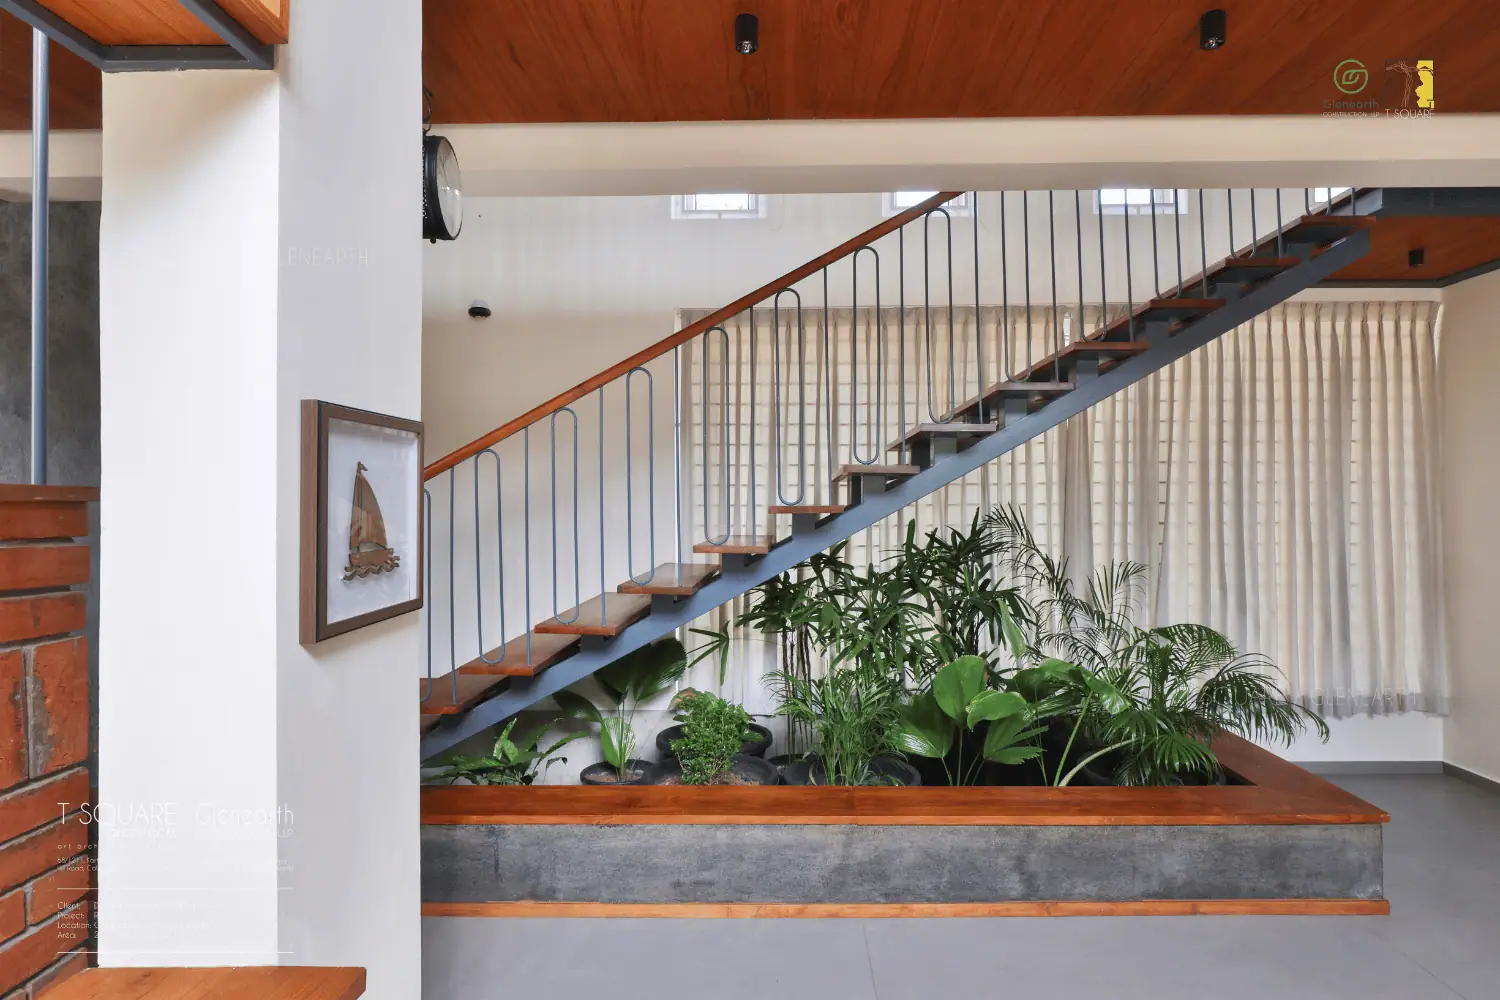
(361, 518)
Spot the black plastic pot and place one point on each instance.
(754, 771)
(809, 771)
(751, 748)
(638, 772)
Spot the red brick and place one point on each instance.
(39, 804)
(33, 567)
(42, 614)
(24, 859)
(38, 948)
(59, 889)
(57, 707)
(42, 519)
(13, 764)
(70, 966)
(11, 921)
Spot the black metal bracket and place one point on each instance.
(241, 50)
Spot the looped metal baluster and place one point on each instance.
(1177, 225)
(828, 407)
(1026, 263)
(980, 376)
(900, 337)
(1103, 290)
(1229, 202)
(677, 452)
(776, 418)
(526, 530)
(1057, 342)
(577, 585)
(927, 316)
(875, 372)
(603, 588)
(1078, 229)
(500, 555)
(427, 587)
(727, 486)
(1203, 242)
(650, 475)
(452, 591)
(1007, 350)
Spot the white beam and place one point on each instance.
(976, 154)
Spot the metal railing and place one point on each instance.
(781, 440)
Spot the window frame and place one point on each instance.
(682, 208)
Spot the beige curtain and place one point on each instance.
(1279, 484)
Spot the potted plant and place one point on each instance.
(851, 711)
(709, 749)
(634, 678)
(511, 762)
(756, 738)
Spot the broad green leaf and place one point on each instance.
(1012, 634)
(1015, 755)
(1110, 697)
(992, 705)
(616, 740)
(1060, 669)
(922, 728)
(576, 706)
(1034, 684)
(1005, 734)
(957, 684)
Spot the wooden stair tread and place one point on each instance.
(600, 616)
(472, 689)
(673, 579)
(995, 394)
(742, 545)
(1180, 307)
(429, 722)
(511, 659)
(1254, 268)
(956, 428)
(1105, 347)
(850, 471)
(822, 509)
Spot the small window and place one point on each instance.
(1321, 195)
(1141, 201)
(719, 205)
(896, 202)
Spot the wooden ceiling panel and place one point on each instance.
(1451, 244)
(673, 60)
(134, 22)
(76, 88)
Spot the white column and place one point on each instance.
(259, 245)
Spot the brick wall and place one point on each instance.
(46, 862)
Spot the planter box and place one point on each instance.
(1289, 842)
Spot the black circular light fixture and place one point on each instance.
(1213, 29)
(746, 34)
(442, 190)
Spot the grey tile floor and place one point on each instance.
(1441, 941)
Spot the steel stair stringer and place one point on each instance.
(740, 576)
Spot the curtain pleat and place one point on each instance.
(1277, 484)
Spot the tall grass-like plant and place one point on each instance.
(851, 710)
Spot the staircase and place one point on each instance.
(1141, 334)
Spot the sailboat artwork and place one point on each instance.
(368, 553)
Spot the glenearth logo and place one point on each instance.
(1350, 76)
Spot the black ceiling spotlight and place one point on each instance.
(1213, 29)
(1416, 257)
(746, 34)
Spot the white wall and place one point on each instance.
(213, 328)
(577, 284)
(1470, 364)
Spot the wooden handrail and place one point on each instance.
(687, 333)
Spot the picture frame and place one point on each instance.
(361, 519)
